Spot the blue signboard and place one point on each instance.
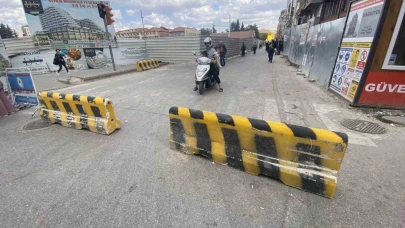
(21, 82)
(26, 99)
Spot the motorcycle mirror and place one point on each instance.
(193, 52)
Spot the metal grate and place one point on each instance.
(363, 126)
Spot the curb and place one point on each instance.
(77, 80)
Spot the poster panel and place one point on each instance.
(357, 39)
(42, 60)
(73, 22)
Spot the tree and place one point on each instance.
(205, 31)
(255, 29)
(242, 27)
(233, 26)
(213, 29)
(227, 30)
(263, 36)
(6, 32)
(237, 28)
(15, 35)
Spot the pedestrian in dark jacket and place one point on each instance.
(60, 61)
(222, 54)
(270, 51)
(254, 47)
(6, 108)
(243, 49)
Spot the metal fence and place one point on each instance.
(316, 56)
(173, 49)
(233, 45)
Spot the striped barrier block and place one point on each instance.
(80, 112)
(301, 157)
(147, 64)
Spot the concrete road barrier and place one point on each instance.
(80, 112)
(301, 157)
(147, 64)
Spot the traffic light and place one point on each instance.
(109, 15)
(101, 10)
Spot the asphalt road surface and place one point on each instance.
(60, 177)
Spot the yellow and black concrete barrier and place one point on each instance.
(301, 157)
(147, 64)
(80, 112)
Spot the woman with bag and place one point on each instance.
(58, 60)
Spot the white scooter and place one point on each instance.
(203, 76)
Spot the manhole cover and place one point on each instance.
(363, 126)
(37, 124)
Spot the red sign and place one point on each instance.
(385, 88)
(362, 60)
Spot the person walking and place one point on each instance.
(6, 108)
(254, 47)
(270, 51)
(58, 60)
(223, 51)
(243, 49)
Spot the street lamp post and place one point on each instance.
(143, 26)
(229, 31)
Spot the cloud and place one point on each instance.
(191, 13)
(14, 17)
(159, 20)
(117, 14)
(130, 12)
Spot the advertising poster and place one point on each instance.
(42, 60)
(129, 55)
(356, 43)
(73, 22)
(95, 58)
(4, 60)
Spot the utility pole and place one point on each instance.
(229, 31)
(143, 26)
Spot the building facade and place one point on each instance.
(58, 24)
(282, 21)
(25, 31)
(184, 31)
(147, 33)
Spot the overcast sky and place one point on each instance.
(173, 13)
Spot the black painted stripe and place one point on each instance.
(96, 111)
(312, 183)
(80, 109)
(49, 94)
(233, 149)
(62, 96)
(174, 110)
(54, 106)
(76, 97)
(91, 99)
(225, 119)
(302, 132)
(178, 132)
(308, 150)
(267, 152)
(196, 114)
(203, 140)
(67, 107)
(45, 114)
(344, 136)
(260, 125)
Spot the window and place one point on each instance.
(395, 58)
